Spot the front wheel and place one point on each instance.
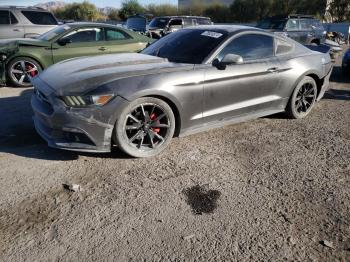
(20, 71)
(145, 127)
(303, 98)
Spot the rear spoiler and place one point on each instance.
(320, 48)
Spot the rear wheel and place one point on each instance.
(145, 127)
(303, 98)
(20, 71)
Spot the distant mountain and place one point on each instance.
(51, 5)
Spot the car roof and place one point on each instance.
(230, 29)
(26, 8)
(78, 24)
(291, 16)
(182, 16)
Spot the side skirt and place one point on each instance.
(228, 121)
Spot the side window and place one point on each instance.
(40, 18)
(204, 21)
(4, 17)
(317, 24)
(292, 25)
(175, 22)
(85, 35)
(283, 47)
(188, 22)
(305, 24)
(114, 34)
(250, 47)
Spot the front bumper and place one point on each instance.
(76, 129)
(325, 85)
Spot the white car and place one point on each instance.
(23, 22)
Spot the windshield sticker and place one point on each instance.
(212, 34)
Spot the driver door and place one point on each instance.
(80, 42)
(244, 88)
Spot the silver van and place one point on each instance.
(20, 22)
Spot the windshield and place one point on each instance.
(190, 46)
(54, 32)
(277, 24)
(159, 22)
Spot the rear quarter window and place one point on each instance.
(283, 47)
(40, 18)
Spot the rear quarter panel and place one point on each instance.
(296, 68)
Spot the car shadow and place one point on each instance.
(18, 135)
(337, 94)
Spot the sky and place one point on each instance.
(98, 3)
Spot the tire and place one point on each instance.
(20, 77)
(145, 127)
(302, 99)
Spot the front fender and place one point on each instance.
(43, 55)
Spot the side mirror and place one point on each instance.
(228, 59)
(64, 41)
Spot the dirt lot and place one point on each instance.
(270, 189)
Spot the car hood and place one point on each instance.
(23, 42)
(81, 75)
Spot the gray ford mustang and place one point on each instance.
(189, 81)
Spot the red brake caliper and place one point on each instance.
(33, 73)
(153, 117)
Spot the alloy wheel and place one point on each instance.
(147, 127)
(305, 98)
(22, 71)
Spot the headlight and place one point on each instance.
(82, 101)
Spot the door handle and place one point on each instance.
(17, 30)
(272, 70)
(102, 48)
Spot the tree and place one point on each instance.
(218, 13)
(84, 11)
(113, 15)
(160, 10)
(130, 7)
(243, 11)
(339, 10)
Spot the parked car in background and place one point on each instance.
(346, 63)
(161, 26)
(23, 22)
(63, 42)
(302, 28)
(137, 23)
(186, 82)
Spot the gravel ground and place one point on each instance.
(271, 189)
